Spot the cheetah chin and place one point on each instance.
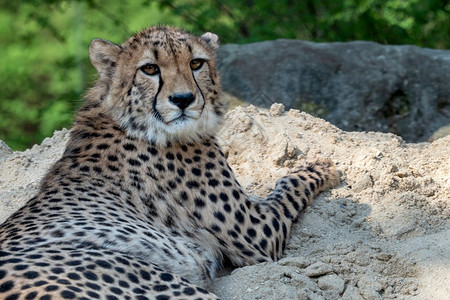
(186, 127)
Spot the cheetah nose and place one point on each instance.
(182, 100)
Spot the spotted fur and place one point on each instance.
(143, 204)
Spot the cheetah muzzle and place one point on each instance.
(143, 204)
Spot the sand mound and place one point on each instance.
(383, 233)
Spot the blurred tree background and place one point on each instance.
(45, 69)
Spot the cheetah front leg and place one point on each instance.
(265, 226)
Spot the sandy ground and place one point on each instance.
(383, 233)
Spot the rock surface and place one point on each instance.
(360, 86)
(381, 234)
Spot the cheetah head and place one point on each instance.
(161, 84)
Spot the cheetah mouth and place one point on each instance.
(182, 118)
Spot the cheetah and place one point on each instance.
(143, 204)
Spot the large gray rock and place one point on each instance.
(356, 85)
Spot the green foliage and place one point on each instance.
(423, 23)
(44, 64)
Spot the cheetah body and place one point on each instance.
(143, 203)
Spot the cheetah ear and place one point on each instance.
(211, 39)
(104, 55)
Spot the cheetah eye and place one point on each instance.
(150, 69)
(196, 63)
